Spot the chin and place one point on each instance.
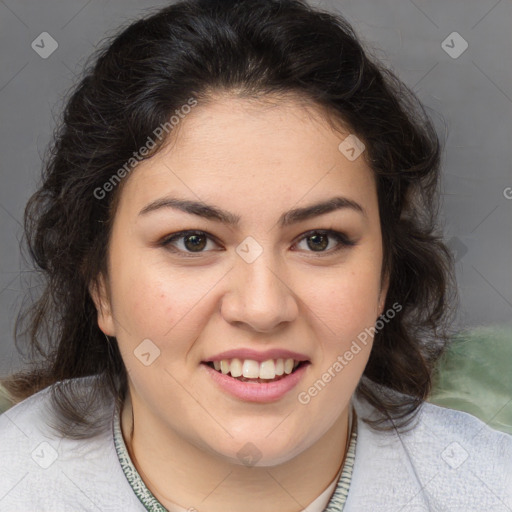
(258, 452)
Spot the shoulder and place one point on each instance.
(41, 469)
(446, 460)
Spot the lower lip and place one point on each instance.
(255, 391)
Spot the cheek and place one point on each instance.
(151, 301)
(345, 312)
(346, 301)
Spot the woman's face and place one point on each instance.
(265, 283)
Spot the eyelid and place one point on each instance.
(344, 241)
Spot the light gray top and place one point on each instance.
(449, 460)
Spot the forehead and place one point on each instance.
(252, 153)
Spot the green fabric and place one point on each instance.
(475, 376)
(5, 403)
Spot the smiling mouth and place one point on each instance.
(227, 370)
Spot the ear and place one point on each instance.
(100, 295)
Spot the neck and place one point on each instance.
(179, 473)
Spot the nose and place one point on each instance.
(259, 296)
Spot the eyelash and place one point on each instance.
(342, 239)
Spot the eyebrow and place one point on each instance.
(288, 218)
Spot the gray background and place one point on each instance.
(473, 94)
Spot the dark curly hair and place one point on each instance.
(249, 49)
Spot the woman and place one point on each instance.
(246, 292)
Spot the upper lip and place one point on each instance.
(247, 353)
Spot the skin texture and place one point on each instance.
(256, 160)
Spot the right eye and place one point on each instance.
(194, 242)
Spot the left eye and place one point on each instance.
(195, 241)
(320, 239)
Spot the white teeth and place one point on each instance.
(224, 366)
(250, 369)
(288, 366)
(267, 369)
(236, 368)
